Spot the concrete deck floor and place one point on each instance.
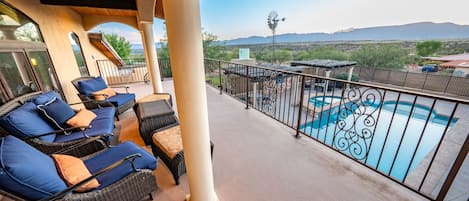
(257, 158)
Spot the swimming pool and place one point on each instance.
(319, 101)
(353, 134)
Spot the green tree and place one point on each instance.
(163, 52)
(120, 44)
(264, 55)
(214, 50)
(281, 56)
(301, 55)
(428, 48)
(327, 53)
(380, 56)
(321, 53)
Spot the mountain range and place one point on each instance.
(407, 32)
(412, 32)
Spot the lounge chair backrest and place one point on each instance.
(27, 171)
(26, 103)
(85, 84)
(13, 104)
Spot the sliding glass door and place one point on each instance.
(24, 71)
(15, 75)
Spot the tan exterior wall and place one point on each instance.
(55, 23)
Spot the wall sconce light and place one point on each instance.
(34, 62)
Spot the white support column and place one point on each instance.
(187, 63)
(326, 86)
(350, 74)
(151, 58)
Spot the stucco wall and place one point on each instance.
(55, 23)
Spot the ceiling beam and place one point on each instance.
(146, 10)
(116, 4)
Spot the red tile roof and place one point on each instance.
(454, 57)
(461, 63)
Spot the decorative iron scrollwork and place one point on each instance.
(270, 88)
(357, 120)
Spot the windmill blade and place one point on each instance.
(273, 15)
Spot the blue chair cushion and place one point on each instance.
(121, 99)
(45, 97)
(102, 124)
(104, 112)
(57, 112)
(91, 85)
(25, 121)
(114, 154)
(27, 172)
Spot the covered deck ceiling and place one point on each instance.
(105, 7)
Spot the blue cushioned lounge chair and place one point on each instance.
(124, 172)
(20, 117)
(87, 85)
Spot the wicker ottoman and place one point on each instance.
(167, 145)
(156, 97)
(153, 115)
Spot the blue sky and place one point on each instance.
(230, 19)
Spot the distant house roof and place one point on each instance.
(456, 64)
(454, 57)
(323, 63)
(98, 40)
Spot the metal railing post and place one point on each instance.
(388, 77)
(447, 84)
(425, 81)
(405, 78)
(220, 84)
(99, 68)
(454, 170)
(247, 87)
(300, 108)
(373, 75)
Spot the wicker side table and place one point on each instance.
(167, 145)
(153, 115)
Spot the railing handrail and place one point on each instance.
(396, 89)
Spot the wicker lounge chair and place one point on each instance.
(86, 85)
(125, 172)
(49, 140)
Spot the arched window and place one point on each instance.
(16, 26)
(78, 52)
(25, 65)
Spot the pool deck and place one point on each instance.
(313, 110)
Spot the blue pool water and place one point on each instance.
(352, 134)
(319, 101)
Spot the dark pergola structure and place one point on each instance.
(328, 65)
(260, 74)
(321, 63)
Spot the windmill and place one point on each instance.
(272, 21)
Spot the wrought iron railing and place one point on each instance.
(130, 70)
(416, 139)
